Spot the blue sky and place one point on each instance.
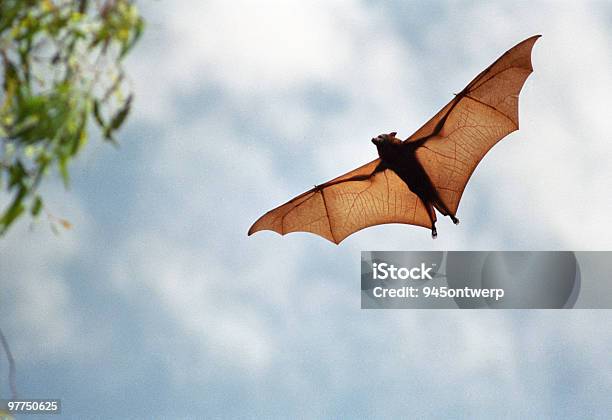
(157, 305)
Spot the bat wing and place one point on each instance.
(456, 139)
(346, 204)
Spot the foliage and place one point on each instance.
(62, 73)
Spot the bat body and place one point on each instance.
(414, 177)
(400, 157)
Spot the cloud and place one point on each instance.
(219, 314)
(37, 298)
(238, 109)
(230, 154)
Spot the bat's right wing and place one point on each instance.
(458, 136)
(356, 200)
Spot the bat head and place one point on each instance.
(385, 139)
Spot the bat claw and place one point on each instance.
(434, 233)
(455, 220)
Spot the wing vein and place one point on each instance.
(331, 230)
(493, 108)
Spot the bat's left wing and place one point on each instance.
(456, 139)
(360, 198)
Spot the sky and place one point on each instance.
(156, 304)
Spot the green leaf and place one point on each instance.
(108, 136)
(14, 210)
(17, 173)
(37, 206)
(135, 37)
(63, 168)
(10, 216)
(81, 134)
(119, 118)
(97, 114)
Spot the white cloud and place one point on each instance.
(38, 307)
(217, 305)
(280, 315)
(260, 73)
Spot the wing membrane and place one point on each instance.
(473, 122)
(347, 204)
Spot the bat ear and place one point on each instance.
(393, 134)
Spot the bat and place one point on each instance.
(428, 171)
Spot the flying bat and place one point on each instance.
(428, 171)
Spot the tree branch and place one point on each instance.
(12, 367)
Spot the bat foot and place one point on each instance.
(455, 220)
(434, 233)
